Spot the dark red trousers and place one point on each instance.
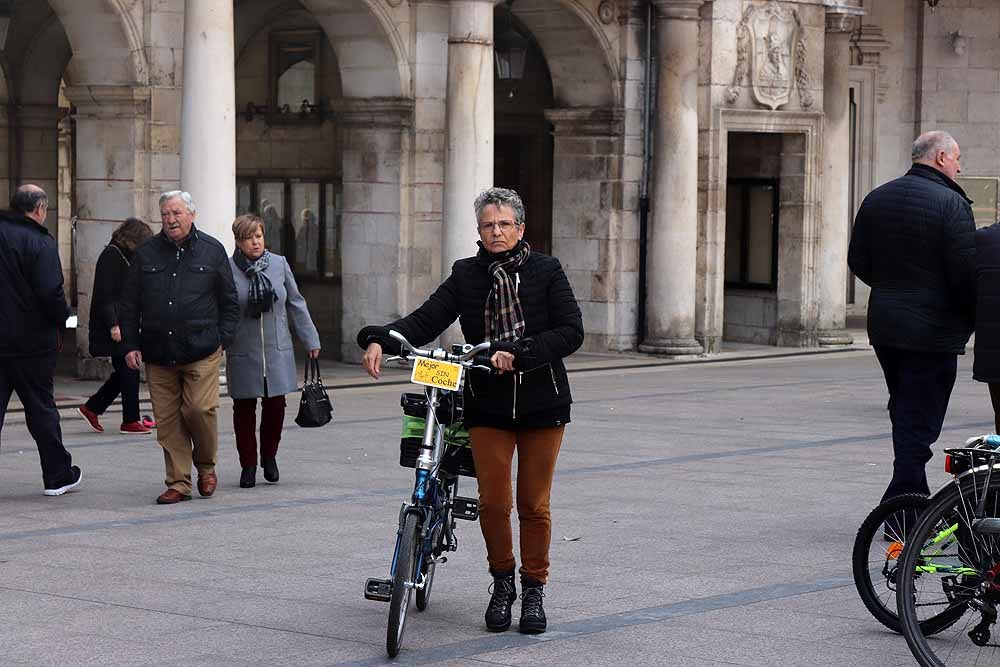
(272, 419)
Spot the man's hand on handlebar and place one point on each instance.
(372, 360)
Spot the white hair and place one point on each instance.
(929, 144)
(178, 194)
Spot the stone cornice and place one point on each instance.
(843, 19)
(116, 99)
(678, 10)
(389, 112)
(587, 121)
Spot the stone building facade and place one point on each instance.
(694, 164)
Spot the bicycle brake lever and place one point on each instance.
(395, 357)
(482, 368)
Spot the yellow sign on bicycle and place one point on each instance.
(435, 373)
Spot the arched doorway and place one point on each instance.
(522, 149)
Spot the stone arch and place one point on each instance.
(371, 52)
(580, 57)
(106, 41)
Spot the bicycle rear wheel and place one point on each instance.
(402, 583)
(951, 572)
(877, 548)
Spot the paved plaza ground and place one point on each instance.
(703, 515)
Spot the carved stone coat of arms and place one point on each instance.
(772, 48)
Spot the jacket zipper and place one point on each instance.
(517, 381)
(552, 374)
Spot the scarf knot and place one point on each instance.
(261, 296)
(504, 317)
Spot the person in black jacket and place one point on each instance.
(522, 302)
(986, 364)
(914, 243)
(178, 312)
(106, 334)
(33, 310)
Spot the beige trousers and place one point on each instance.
(185, 404)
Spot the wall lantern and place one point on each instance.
(510, 50)
(933, 4)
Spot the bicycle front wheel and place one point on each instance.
(877, 548)
(402, 583)
(949, 571)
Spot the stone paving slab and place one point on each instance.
(703, 515)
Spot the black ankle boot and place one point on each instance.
(248, 478)
(532, 614)
(504, 594)
(270, 467)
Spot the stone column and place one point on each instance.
(831, 256)
(111, 182)
(673, 234)
(469, 160)
(208, 115)
(375, 251)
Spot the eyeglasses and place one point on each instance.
(504, 225)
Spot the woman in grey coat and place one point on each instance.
(261, 363)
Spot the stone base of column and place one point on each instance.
(672, 347)
(833, 338)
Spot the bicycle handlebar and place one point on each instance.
(470, 358)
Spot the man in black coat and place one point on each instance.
(914, 244)
(32, 312)
(179, 310)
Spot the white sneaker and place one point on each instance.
(58, 491)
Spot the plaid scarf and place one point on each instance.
(504, 317)
(261, 296)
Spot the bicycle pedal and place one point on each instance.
(379, 590)
(465, 508)
(987, 526)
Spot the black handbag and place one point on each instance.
(315, 408)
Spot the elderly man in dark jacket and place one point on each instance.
(178, 311)
(32, 311)
(914, 243)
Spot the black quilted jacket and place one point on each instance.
(914, 244)
(538, 393)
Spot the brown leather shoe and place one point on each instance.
(207, 481)
(171, 496)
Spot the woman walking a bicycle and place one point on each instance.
(522, 302)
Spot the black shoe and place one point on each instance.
(532, 615)
(504, 594)
(248, 478)
(270, 467)
(59, 488)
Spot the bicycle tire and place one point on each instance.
(402, 583)
(874, 565)
(960, 558)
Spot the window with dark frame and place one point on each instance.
(751, 255)
(301, 221)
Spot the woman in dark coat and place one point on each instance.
(522, 302)
(106, 336)
(986, 365)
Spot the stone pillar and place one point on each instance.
(208, 115)
(37, 149)
(469, 155)
(594, 230)
(111, 182)
(673, 233)
(375, 139)
(831, 255)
